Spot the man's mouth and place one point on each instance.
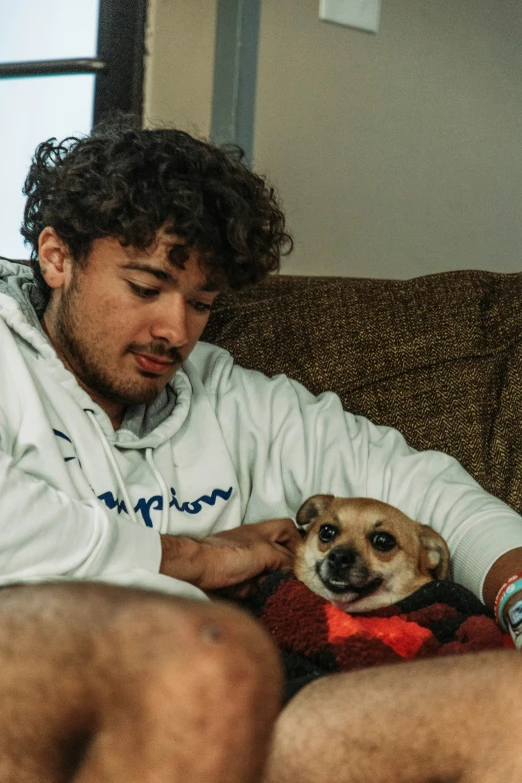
(153, 364)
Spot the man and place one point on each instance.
(133, 455)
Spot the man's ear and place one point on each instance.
(54, 258)
(434, 554)
(312, 508)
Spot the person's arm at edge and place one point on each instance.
(506, 566)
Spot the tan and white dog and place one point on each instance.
(362, 554)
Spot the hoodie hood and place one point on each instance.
(17, 281)
(144, 426)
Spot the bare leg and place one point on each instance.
(447, 720)
(101, 684)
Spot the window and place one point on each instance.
(63, 66)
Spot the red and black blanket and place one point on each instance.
(316, 638)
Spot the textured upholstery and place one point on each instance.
(439, 357)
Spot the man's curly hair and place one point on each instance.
(128, 183)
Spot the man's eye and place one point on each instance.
(383, 542)
(201, 307)
(141, 291)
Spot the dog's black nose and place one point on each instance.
(341, 558)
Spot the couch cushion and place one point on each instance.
(439, 357)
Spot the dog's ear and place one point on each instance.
(434, 555)
(312, 508)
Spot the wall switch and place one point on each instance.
(363, 14)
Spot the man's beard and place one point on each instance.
(82, 357)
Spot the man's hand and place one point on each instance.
(232, 556)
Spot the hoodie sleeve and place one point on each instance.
(43, 530)
(46, 534)
(289, 444)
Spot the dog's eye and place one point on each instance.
(327, 533)
(383, 542)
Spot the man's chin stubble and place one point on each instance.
(122, 394)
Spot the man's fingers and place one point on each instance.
(246, 551)
(291, 541)
(281, 531)
(283, 558)
(275, 525)
(289, 537)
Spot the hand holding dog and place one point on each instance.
(232, 557)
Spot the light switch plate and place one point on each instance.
(362, 14)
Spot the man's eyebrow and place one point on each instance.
(166, 277)
(153, 270)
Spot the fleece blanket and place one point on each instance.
(316, 638)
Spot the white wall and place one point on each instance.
(395, 155)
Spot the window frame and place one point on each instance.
(118, 65)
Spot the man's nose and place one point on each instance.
(170, 322)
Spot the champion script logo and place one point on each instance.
(144, 505)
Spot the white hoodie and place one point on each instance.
(222, 446)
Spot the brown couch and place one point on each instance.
(439, 357)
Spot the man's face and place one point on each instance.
(125, 321)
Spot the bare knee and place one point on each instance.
(111, 636)
(148, 670)
(205, 653)
(199, 694)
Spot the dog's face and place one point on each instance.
(362, 554)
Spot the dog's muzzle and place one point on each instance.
(343, 571)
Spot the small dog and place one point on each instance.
(362, 554)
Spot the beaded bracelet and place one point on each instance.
(513, 585)
(514, 621)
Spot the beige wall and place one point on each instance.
(180, 62)
(395, 155)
